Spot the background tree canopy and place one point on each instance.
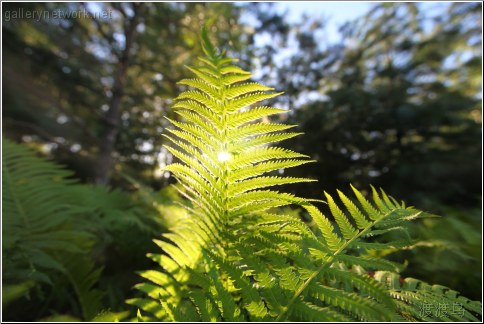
(395, 101)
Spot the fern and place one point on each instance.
(50, 224)
(37, 219)
(235, 258)
(42, 236)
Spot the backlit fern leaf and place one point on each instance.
(244, 89)
(235, 257)
(236, 120)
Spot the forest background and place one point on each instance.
(391, 98)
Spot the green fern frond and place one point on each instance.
(359, 307)
(245, 131)
(207, 77)
(244, 89)
(244, 101)
(50, 224)
(424, 302)
(206, 307)
(345, 226)
(201, 85)
(264, 167)
(238, 258)
(314, 313)
(150, 306)
(231, 79)
(202, 98)
(84, 275)
(194, 106)
(262, 182)
(42, 236)
(256, 141)
(241, 118)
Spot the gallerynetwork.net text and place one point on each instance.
(38, 15)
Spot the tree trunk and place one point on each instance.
(112, 117)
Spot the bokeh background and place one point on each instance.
(388, 94)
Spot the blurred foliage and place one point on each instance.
(396, 101)
(449, 249)
(62, 75)
(398, 107)
(66, 246)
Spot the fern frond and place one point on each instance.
(239, 257)
(201, 85)
(351, 237)
(231, 79)
(250, 99)
(244, 89)
(196, 131)
(205, 160)
(262, 182)
(424, 302)
(232, 69)
(202, 98)
(250, 197)
(206, 77)
(256, 141)
(148, 305)
(200, 122)
(189, 138)
(226, 304)
(83, 275)
(47, 223)
(309, 312)
(249, 158)
(264, 167)
(345, 226)
(200, 109)
(361, 308)
(252, 301)
(371, 212)
(241, 118)
(255, 129)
